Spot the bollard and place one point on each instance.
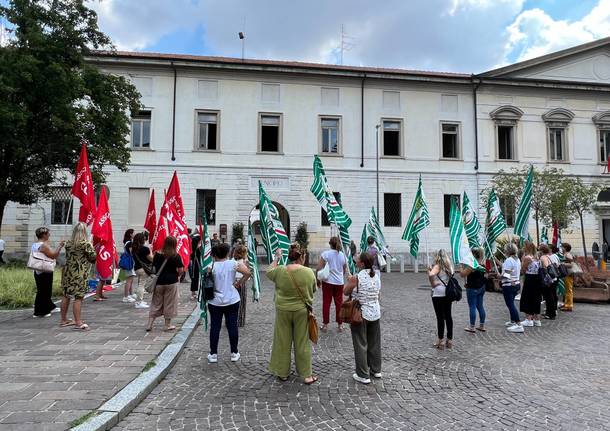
(415, 265)
(402, 263)
(388, 267)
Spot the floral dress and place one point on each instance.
(79, 257)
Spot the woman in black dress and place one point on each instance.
(531, 295)
(194, 274)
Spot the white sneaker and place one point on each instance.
(518, 297)
(509, 323)
(537, 323)
(212, 359)
(134, 296)
(235, 357)
(377, 375)
(361, 379)
(128, 299)
(142, 305)
(527, 323)
(516, 328)
(55, 310)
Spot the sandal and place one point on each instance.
(100, 298)
(439, 345)
(481, 328)
(312, 381)
(82, 327)
(69, 322)
(282, 379)
(449, 344)
(470, 329)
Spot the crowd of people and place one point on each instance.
(533, 275)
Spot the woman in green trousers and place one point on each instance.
(295, 285)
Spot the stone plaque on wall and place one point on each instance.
(271, 183)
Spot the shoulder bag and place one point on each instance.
(351, 311)
(147, 267)
(324, 273)
(453, 290)
(40, 262)
(312, 323)
(151, 283)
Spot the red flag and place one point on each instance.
(161, 231)
(177, 228)
(103, 238)
(83, 188)
(174, 198)
(150, 224)
(555, 234)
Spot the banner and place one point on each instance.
(103, 238)
(150, 224)
(253, 263)
(495, 224)
(82, 188)
(525, 204)
(471, 223)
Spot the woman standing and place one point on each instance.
(80, 255)
(366, 336)
(531, 296)
(374, 251)
(295, 285)
(239, 255)
(549, 293)
(43, 305)
(194, 274)
(568, 299)
(475, 290)
(226, 300)
(141, 256)
(332, 288)
(168, 267)
(128, 274)
(511, 285)
(439, 276)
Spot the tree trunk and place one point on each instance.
(2, 206)
(537, 228)
(582, 233)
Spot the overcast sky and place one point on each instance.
(442, 35)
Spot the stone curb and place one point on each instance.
(122, 403)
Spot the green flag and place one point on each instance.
(205, 264)
(364, 237)
(419, 219)
(376, 232)
(471, 223)
(272, 230)
(525, 204)
(544, 236)
(460, 248)
(323, 193)
(253, 263)
(495, 224)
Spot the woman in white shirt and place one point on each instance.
(226, 300)
(439, 276)
(43, 304)
(332, 287)
(366, 336)
(511, 285)
(240, 254)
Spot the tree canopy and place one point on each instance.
(51, 99)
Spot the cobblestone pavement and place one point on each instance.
(50, 376)
(552, 377)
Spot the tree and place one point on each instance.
(51, 98)
(237, 232)
(549, 195)
(580, 199)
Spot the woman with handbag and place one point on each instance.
(43, 305)
(439, 276)
(332, 286)
(226, 300)
(531, 295)
(364, 287)
(295, 286)
(126, 264)
(80, 255)
(549, 293)
(475, 290)
(142, 260)
(168, 269)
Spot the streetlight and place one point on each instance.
(242, 37)
(377, 126)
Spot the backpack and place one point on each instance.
(126, 260)
(453, 290)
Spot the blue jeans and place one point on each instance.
(475, 302)
(509, 293)
(230, 313)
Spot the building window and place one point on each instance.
(206, 204)
(137, 206)
(604, 145)
(391, 209)
(330, 129)
(557, 139)
(270, 134)
(508, 210)
(61, 208)
(391, 137)
(450, 140)
(140, 130)
(447, 206)
(207, 130)
(505, 143)
(325, 221)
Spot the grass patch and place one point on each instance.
(149, 365)
(18, 288)
(82, 419)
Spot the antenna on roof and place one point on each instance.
(346, 43)
(242, 37)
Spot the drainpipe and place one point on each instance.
(362, 121)
(174, 116)
(475, 86)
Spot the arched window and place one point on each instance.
(557, 121)
(602, 121)
(506, 119)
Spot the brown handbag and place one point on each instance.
(351, 311)
(312, 323)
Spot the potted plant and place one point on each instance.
(237, 232)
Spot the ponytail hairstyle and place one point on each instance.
(295, 252)
(443, 261)
(367, 263)
(137, 243)
(335, 243)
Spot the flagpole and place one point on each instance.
(426, 246)
(493, 258)
(69, 210)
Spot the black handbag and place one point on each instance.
(545, 278)
(553, 271)
(562, 270)
(453, 290)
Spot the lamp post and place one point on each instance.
(377, 164)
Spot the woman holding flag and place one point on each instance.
(332, 287)
(475, 290)
(439, 276)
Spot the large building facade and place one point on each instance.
(225, 124)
